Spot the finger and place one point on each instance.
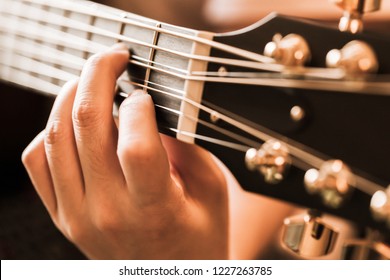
(94, 127)
(35, 162)
(140, 151)
(61, 151)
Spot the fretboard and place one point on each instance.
(45, 43)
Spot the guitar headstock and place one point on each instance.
(315, 125)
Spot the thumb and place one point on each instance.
(141, 154)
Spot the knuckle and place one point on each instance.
(72, 229)
(33, 154)
(27, 157)
(85, 115)
(54, 133)
(107, 222)
(75, 233)
(137, 151)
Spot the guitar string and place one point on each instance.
(121, 17)
(356, 87)
(90, 10)
(19, 77)
(34, 67)
(312, 163)
(39, 84)
(353, 87)
(54, 19)
(362, 184)
(37, 67)
(249, 143)
(336, 74)
(41, 52)
(267, 66)
(302, 159)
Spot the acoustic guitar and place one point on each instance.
(296, 110)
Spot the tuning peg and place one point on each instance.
(351, 20)
(380, 206)
(332, 181)
(356, 57)
(291, 50)
(308, 235)
(365, 250)
(272, 160)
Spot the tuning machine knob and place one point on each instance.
(291, 50)
(333, 182)
(308, 235)
(351, 20)
(272, 160)
(356, 57)
(380, 206)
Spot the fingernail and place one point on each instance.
(119, 47)
(138, 92)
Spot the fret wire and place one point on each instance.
(89, 35)
(151, 55)
(213, 44)
(121, 29)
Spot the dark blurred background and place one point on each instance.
(26, 231)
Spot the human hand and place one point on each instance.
(126, 192)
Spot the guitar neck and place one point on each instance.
(45, 43)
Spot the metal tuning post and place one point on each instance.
(351, 21)
(308, 235)
(380, 206)
(291, 50)
(356, 58)
(333, 182)
(272, 160)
